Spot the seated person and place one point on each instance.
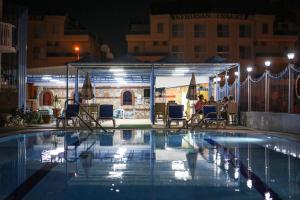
(200, 103)
(212, 101)
(224, 107)
(231, 99)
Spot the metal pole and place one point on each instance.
(152, 95)
(226, 84)
(67, 82)
(249, 93)
(76, 85)
(217, 90)
(266, 91)
(290, 104)
(238, 87)
(209, 87)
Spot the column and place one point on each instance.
(152, 95)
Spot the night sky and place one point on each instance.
(110, 19)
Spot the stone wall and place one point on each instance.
(279, 122)
(106, 95)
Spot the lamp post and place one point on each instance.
(77, 50)
(249, 70)
(267, 65)
(290, 57)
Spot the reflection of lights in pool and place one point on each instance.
(178, 165)
(236, 173)
(218, 160)
(237, 139)
(115, 174)
(268, 196)
(182, 175)
(226, 165)
(51, 155)
(117, 190)
(119, 166)
(249, 183)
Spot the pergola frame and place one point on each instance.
(152, 70)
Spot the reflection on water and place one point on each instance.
(238, 166)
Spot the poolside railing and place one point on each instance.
(268, 93)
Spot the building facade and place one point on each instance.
(52, 41)
(13, 55)
(196, 37)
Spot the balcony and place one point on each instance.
(7, 38)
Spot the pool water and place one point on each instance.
(148, 164)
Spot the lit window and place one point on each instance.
(223, 30)
(127, 98)
(177, 30)
(199, 30)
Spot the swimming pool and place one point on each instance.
(148, 164)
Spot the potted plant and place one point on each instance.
(56, 107)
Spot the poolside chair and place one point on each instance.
(212, 117)
(71, 113)
(175, 113)
(106, 113)
(232, 112)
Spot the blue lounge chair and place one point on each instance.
(211, 117)
(175, 113)
(106, 113)
(71, 113)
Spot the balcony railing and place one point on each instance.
(7, 38)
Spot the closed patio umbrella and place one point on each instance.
(87, 89)
(192, 92)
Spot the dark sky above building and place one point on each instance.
(110, 19)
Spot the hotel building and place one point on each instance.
(52, 41)
(249, 39)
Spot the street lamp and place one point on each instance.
(77, 50)
(249, 69)
(291, 56)
(267, 63)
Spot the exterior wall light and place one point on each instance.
(236, 73)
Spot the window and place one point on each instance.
(55, 29)
(199, 30)
(160, 27)
(47, 99)
(38, 32)
(147, 93)
(36, 52)
(177, 51)
(57, 44)
(222, 30)
(265, 28)
(136, 49)
(245, 52)
(223, 51)
(164, 43)
(245, 30)
(199, 51)
(155, 43)
(127, 98)
(49, 44)
(177, 30)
